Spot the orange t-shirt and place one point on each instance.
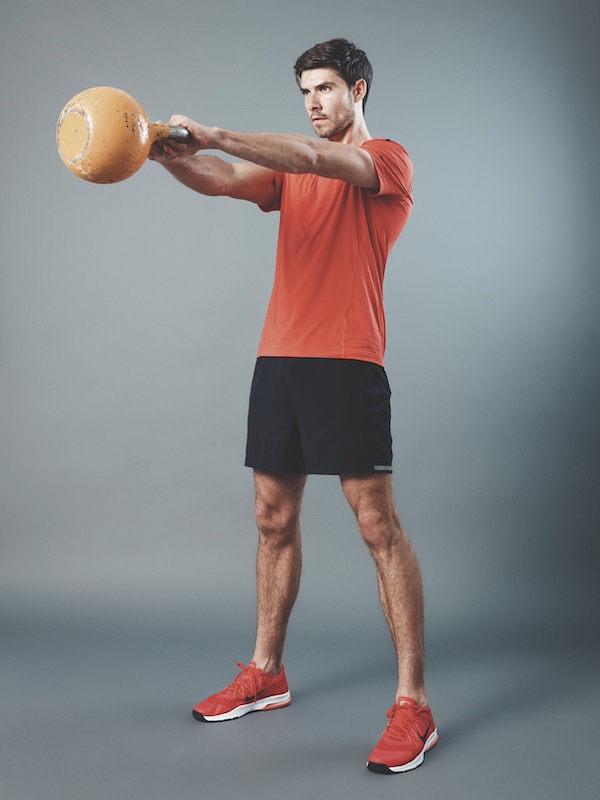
(334, 240)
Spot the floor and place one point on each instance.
(96, 707)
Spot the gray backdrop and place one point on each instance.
(130, 316)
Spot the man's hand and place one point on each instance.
(166, 150)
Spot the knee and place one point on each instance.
(276, 525)
(380, 530)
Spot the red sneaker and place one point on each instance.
(410, 733)
(252, 690)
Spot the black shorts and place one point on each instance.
(319, 416)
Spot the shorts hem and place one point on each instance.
(319, 471)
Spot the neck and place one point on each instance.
(356, 133)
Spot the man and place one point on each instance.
(319, 401)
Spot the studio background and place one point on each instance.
(129, 321)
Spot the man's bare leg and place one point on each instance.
(278, 563)
(398, 575)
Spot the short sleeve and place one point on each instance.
(394, 169)
(276, 204)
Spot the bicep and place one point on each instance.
(347, 163)
(251, 182)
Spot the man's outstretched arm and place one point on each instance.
(212, 176)
(266, 151)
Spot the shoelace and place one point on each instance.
(248, 683)
(404, 722)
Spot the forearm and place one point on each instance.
(276, 151)
(208, 175)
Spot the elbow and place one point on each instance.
(318, 159)
(312, 161)
(308, 161)
(315, 161)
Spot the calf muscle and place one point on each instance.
(278, 563)
(398, 575)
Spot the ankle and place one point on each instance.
(418, 697)
(272, 667)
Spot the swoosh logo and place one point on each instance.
(424, 738)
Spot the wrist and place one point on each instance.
(216, 138)
(177, 163)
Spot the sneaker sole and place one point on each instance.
(384, 769)
(266, 704)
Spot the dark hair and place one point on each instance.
(341, 55)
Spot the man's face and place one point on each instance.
(328, 101)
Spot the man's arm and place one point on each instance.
(299, 154)
(268, 151)
(212, 176)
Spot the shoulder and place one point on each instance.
(393, 165)
(387, 148)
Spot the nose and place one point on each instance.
(312, 102)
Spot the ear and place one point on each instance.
(359, 90)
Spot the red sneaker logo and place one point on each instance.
(424, 738)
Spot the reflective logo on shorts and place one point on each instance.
(382, 469)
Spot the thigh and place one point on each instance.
(370, 496)
(273, 438)
(343, 409)
(279, 494)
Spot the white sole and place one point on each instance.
(416, 762)
(274, 701)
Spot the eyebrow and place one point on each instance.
(317, 86)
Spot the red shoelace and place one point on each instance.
(404, 722)
(248, 683)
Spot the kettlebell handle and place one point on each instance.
(179, 133)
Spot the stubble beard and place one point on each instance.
(336, 126)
